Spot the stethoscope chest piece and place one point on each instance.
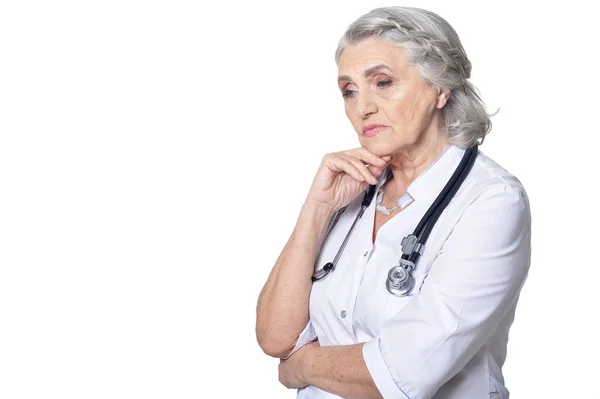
(400, 282)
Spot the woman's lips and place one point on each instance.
(374, 131)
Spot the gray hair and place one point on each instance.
(433, 47)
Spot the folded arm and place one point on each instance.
(337, 369)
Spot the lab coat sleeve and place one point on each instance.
(473, 282)
(307, 335)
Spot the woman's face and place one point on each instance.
(380, 87)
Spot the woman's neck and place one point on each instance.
(407, 165)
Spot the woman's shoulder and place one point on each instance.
(490, 180)
(488, 174)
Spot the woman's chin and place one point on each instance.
(379, 150)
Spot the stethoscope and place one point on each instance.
(400, 281)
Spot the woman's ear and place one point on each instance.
(442, 98)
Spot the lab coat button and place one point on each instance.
(343, 314)
(366, 253)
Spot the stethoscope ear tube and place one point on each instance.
(330, 266)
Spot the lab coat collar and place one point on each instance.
(433, 179)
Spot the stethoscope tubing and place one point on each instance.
(425, 226)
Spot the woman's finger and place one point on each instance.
(376, 170)
(368, 156)
(339, 163)
(369, 177)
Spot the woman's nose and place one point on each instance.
(365, 104)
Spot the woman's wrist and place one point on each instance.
(305, 362)
(316, 208)
(313, 220)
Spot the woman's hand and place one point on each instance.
(290, 369)
(343, 175)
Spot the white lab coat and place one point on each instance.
(448, 339)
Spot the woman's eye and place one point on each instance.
(383, 83)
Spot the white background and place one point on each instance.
(154, 157)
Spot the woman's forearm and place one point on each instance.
(340, 370)
(282, 310)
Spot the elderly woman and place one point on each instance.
(374, 322)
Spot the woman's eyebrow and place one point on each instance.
(367, 73)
